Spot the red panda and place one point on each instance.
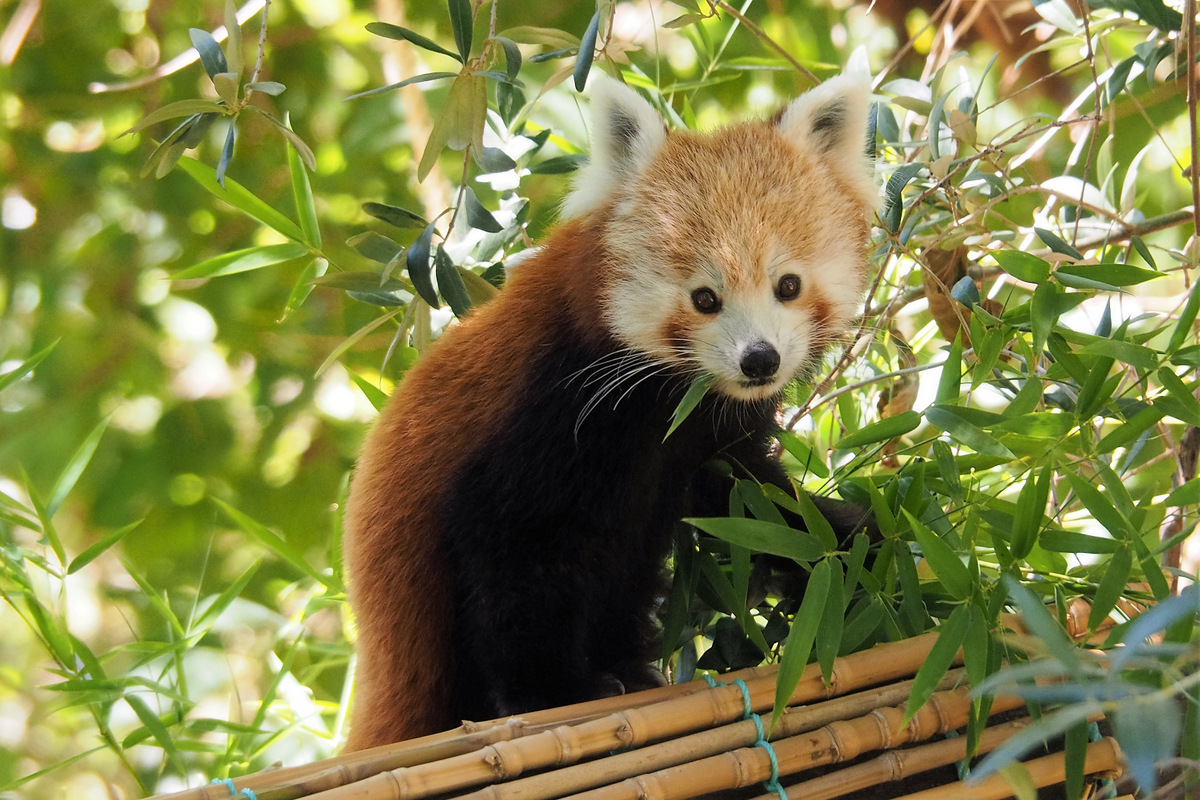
(512, 508)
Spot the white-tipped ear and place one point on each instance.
(626, 134)
(831, 120)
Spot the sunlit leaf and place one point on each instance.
(687, 404)
(243, 261)
(389, 31)
(211, 56)
(800, 638)
(951, 635)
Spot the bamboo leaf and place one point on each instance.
(761, 536)
(27, 366)
(96, 550)
(306, 208)
(952, 421)
(1112, 585)
(277, 545)
(942, 559)
(304, 286)
(1100, 507)
(240, 198)
(951, 635)
(881, 431)
(302, 149)
(233, 41)
(951, 377)
(373, 393)
(233, 591)
(1042, 625)
(70, 474)
(1183, 328)
(226, 153)
(800, 638)
(153, 724)
(689, 401)
(1051, 240)
(243, 261)
(833, 619)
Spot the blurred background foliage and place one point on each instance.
(197, 434)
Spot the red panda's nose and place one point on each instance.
(760, 360)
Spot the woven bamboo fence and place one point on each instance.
(688, 740)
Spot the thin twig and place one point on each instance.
(771, 43)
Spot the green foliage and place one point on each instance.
(187, 364)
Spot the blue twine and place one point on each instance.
(771, 784)
(746, 710)
(233, 790)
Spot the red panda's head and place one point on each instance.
(738, 254)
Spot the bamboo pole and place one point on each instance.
(838, 741)
(1102, 757)
(617, 767)
(632, 727)
(289, 783)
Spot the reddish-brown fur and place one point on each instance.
(402, 685)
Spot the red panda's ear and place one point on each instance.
(626, 134)
(831, 120)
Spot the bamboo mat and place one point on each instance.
(688, 740)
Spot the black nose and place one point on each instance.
(760, 360)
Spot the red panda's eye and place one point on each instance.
(788, 288)
(706, 301)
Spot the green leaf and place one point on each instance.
(1135, 355)
(559, 165)
(1186, 495)
(74, 468)
(1051, 240)
(1023, 266)
(1100, 507)
(881, 431)
(1183, 328)
(816, 523)
(226, 153)
(377, 247)
(278, 546)
(92, 553)
(373, 393)
(417, 263)
(27, 366)
(461, 22)
(761, 536)
(802, 453)
(1130, 430)
(211, 56)
(240, 198)
(587, 52)
(394, 215)
(227, 87)
(953, 421)
(1060, 541)
(477, 216)
(512, 56)
(233, 41)
(688, 403)
(153, 724)
(429, 76)
(243, 261)
(233, 591)
(1188, 407)
(833, 619)
(450, 283)
(1042, 625)
(948, 384)
(302, 195)
(1113, 583)
(951, 635)
(801, 636)
(389, 31)
(1031, 507)
(1106, 277)
(273, 88)
(180, 108)
(945, 563)
(302, 149)
(304, 286)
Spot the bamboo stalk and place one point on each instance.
(1103, 756)
(896, 765)
(632, 727)
(698, 745)
(292, 782)
(838, 741)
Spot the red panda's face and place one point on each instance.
(737, 255)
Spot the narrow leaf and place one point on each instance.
(462, 22)
(75, 467)
(417, 263)
(394, 215)
(302, 195)
(1113, 583)
(945, 563)
(477, 215)
(240, 198)
(389, 31)
(304, 286)
(512, 56)
(761, 536)
(800, 637)
(27, 366)
(881, 431)
(1051, 240)
(450, 283)
(243, 261)
(180, 108)
(1022, 266)
(587, 52)
(429, 76)
(951, 635)
(92, 553)
(688, 403)
(277, 545)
